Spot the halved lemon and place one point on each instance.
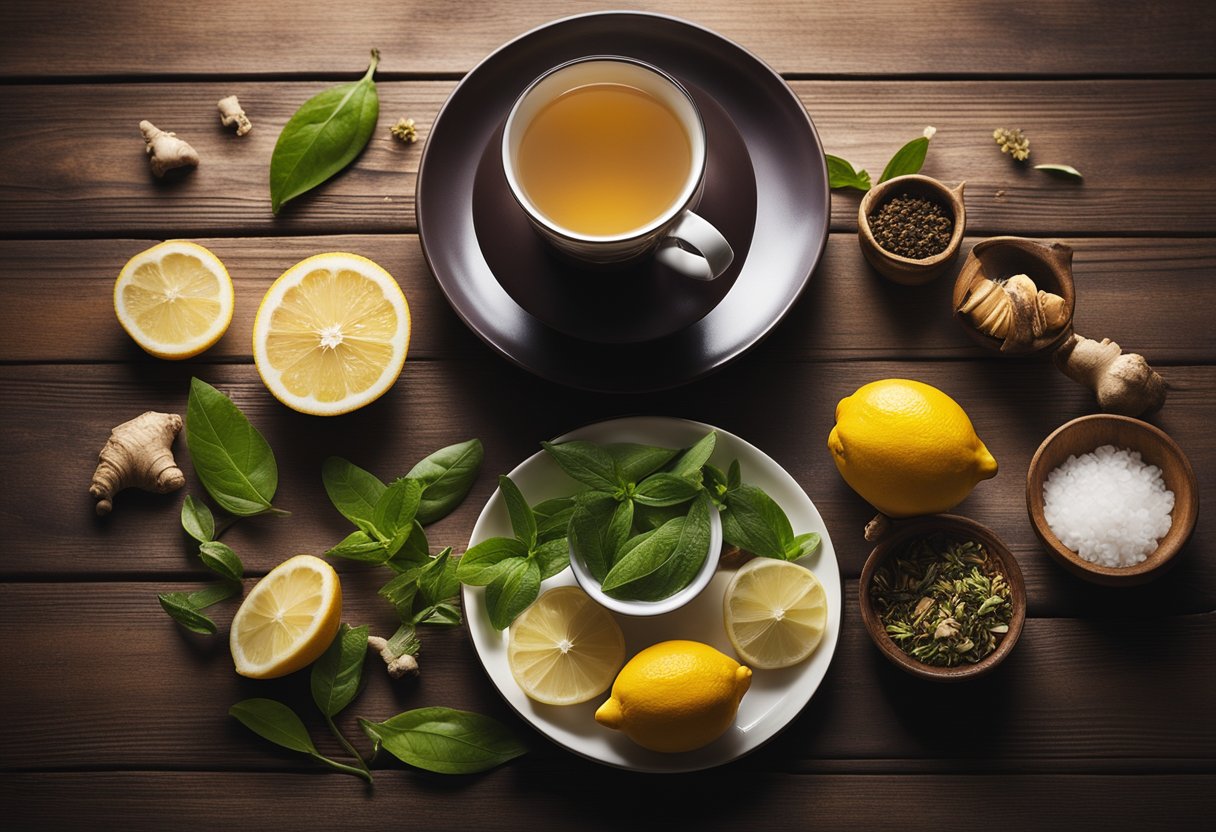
(565, 648)
(287, 620)
(331, 334)
(174, 299)
(775, 613)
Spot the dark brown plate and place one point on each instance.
(499, 278)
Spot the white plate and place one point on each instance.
(775, 696)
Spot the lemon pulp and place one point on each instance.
(775, 613)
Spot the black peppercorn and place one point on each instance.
(911, 227)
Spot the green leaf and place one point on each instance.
(212, 594)
(803, 545)
(415, 549)
(651, 517)
(219, 558)
(361, 547)
(276, 722)
(394, 513)
(691, 461)
(552, 557)
(590, 536)
(715, 482)
(734, 476)
(443, 614)
(198, 520)
(487, 560)
(665, 562)
(644, 557)
(586, 463)
(323, 137)
(336, 675)
(754, 522)
(512, 591)
(401, 592)
(181, 610)
(523, 521)
(908, 159)
(1066, 170)
(404, 641)
(665, 490)
(553, 519)
(444, 740)
(446, 477)
(842, 175)
(633, 462)
(353, 491)
(230, 456)
(437, 580)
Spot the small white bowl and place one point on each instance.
(672, 602)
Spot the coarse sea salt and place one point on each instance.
(1108, 506)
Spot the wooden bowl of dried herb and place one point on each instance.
(910, 227)
(943, 597)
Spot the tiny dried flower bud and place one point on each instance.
(946, 629)
(930, 132)
(1013, 142)
(405, 130)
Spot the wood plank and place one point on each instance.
(511, 799)
(1046, 701)
(955, 36)
(1098, 126)
(65, 413)
(70, 283)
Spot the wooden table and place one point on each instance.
(114, 717)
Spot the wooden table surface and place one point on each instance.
(114, 717)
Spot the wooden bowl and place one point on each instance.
(956, 528)
(906, 270)
(999, 258)
(1083, 435)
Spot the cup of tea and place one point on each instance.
(606, 155)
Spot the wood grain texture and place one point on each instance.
(103, 187)
(951, 36)
(1039, 705)
(516, 798)
(68, 411)
(59, 300)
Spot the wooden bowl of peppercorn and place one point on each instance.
(910, 227)
(895, 613)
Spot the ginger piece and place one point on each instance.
(1124, 383)
(1015, 310)
(165, 150)
(231, 113)
(138, 453)
(398, 666)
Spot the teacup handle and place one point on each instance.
(712, 255)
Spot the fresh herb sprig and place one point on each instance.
(186, 608)
(908, 159)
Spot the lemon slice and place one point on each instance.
(175, 299)
(565, 648)
(331, 334)
(775, 613)
(288, 619)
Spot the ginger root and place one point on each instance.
(165, 150)
(138, 453)
(231, 113)
(1124, 383)
(1015, 310)
(398, 666)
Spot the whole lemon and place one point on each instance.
(907, 448)
(676, 696)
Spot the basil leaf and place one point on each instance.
(181, 610)
(644, 558)
(511, 592)
(714, 482)
(415, 549)
(734, 477)
(395, 510)
(444, 740)
(197, 519)
(361, 547)
(353, 491)
(231, 458)
(523, 521)
(323, 137)
(443, 614)
(276, 722)
(651, 571)
(690, 462)
(401, 592)
(589, 540)
(651, 517)
(437, 579)
(336, 675)
(552, 557)
(665, 490)
(213, 594)
(754, 522)
(908, 159)
(219, 558)
(489, 559)
(842, 175)
(553, 519)
(633, 462)
(587, 463)
(1067, 170)
(446, 477)
(803, 545)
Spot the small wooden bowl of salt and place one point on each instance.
(1099, 493)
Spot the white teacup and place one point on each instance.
(681, 239)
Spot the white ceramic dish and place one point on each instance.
(776, 697)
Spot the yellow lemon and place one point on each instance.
(174, 299)
(565, 648)
(288, 619)
(676, 696)
(331, 334)
(775, 612)
(907, 448)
